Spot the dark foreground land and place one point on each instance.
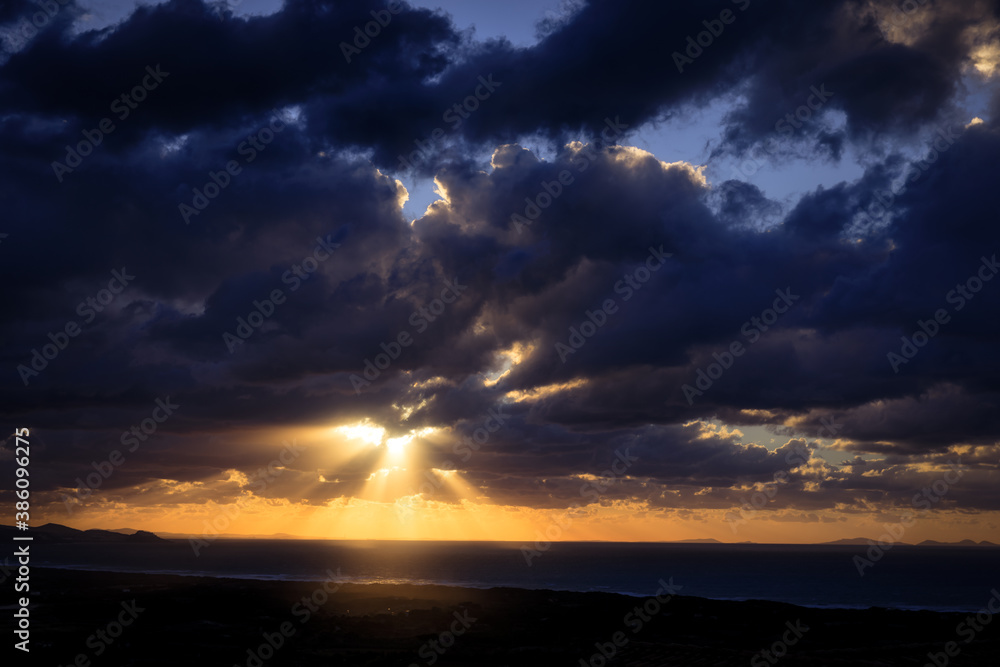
(199, 621)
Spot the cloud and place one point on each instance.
(687, 263)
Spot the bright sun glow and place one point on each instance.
(366, 434)
(364, 431)
(397, 446)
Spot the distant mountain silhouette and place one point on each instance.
(705, 540)
(55, 529)
(857, 541)
(56, 533)
(864, 541)
(236, 536)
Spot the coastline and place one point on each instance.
(216, 620)
(471, 585)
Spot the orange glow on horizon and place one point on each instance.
(415, 517)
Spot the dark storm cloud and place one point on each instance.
(222, 68)
(714, 255)
(401, 86)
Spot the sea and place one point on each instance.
(905, 577)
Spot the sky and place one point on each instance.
(524, 271)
